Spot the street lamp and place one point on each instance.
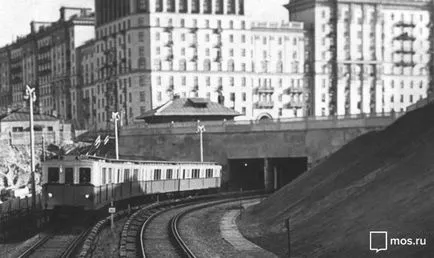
(115, 118)
(200, 130)
(31, 96)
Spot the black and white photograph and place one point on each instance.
(216, 128)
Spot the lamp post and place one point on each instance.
(115, 118)
(200, 130)
(31, 96)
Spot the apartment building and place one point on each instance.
(367, 56)
(45, 60)
(146, 51)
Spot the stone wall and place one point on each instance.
(221, 146)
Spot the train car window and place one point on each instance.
(109, 180)
(195, 173)
(69, 176)
(119, 176)
(135, 174)
(169, 173)
(157, 174)
(104, 176)
(84, 175)
(209, 172)
(183, 174)
(126, 175)
(53, 175)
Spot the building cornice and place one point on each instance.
(300, 5)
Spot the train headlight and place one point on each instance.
(50, 195)
(87, 196)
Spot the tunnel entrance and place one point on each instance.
(249, 174)
(287, 169)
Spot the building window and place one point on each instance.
(207, 8)
(230, 6)
(241, 7)
(182, 65)
(159, 5)
(244, 95)
(183, 6)
(207, 65)
(243, 110)
(141, 36)
(143, 5)
(142, 96)
(231, 66)
(232, 81)
(169, 173)
(183, 80)
(195, 173)
(219, 6)
(195, 6)
(170, 5)
(157, 174)
(159, 96)
(142, 51)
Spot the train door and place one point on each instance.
(69, 189)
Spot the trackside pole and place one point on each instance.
(289, 236)
(112, 217)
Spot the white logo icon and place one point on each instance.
(378, 241)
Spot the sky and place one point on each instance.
(16, 15)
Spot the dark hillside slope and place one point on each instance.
(379, 181)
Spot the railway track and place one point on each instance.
(56, 244)
(153, 231)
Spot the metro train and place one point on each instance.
(90, 183)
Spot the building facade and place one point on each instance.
(45, 60)
(146, 51)
(367, 56)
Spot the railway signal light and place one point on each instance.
(31, 96)
(200, 130)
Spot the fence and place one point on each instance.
(23, 138)
(297, 123)
(421, 103)
(17, 204)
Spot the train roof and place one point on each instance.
(110, 160)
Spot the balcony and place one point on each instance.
(194, 29)
(405, 52)
(169, 43)
(219, 88)
(405, 64)
(168, 29)
(195, 88)
(294, 104)
(169, 58)
(217, 30)
(45, 48)
(193, 59)
(405, 24)
(171, 87)
(264, 104)
(266, 90)
(293, 90)
(405, 37)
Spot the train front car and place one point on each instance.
(68, 184)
